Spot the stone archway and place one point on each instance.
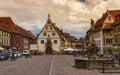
(49, 50)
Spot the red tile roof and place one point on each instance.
(30, 34)
(5, 23)
(114, 12)
(99, 23)
(8, 25)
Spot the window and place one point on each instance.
(16, 36)
(108, 41)
(42, 41)
(55, 41)
(116, 39)
(0, 33)
(46, 28)
(53, 34)
(51, 28)
(109, 17)
(99, 42)
(48, 35)
(44, 34)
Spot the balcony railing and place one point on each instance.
(108, 35)
(48, 44)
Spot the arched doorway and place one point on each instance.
(49, 50)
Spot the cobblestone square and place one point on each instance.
(47, 65)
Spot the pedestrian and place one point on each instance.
(13, 56)
(29, 55)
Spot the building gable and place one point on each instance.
(49, 30)
(109, 19)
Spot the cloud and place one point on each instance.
(32, 14)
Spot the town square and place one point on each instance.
(59, 37)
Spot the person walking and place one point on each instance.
(13, 56)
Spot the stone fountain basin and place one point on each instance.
(92, 63)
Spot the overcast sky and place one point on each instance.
(73, 16)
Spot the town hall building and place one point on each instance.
(51, 39)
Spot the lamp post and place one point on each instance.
(17, 49)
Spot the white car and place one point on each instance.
(16, 54)
(25, 52)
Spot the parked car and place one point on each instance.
(26, 53)
(108, 55)
(117, 54)
(17, 54)
(4, 56)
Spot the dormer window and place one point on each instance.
(55, 41)
(46, 28)
(118, 18)
(53, 34)
(109, 17)
(51, 28)
(44, 34)
(48, 36)
(42, 41)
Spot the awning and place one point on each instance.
(70, 49)
(6, 47)
(1, 48)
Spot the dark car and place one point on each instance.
(117, 54)
(108, 55)
(4, 56)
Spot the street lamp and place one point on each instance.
(17, 49)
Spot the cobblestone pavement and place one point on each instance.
(46, 65)
(64, 65)
(37, 65)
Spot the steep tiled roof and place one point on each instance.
(117, 21)
(60, 33)
(114, 12)
(23, 31)
(70, 38)
(99, 23)
(67, 36)
(5, 23)
(31, 35)
(57, 29)
(15, 29)
(74, 39)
